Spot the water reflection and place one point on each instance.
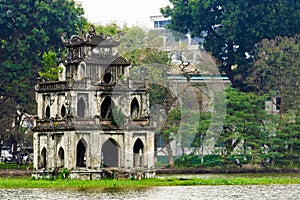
(256, 192)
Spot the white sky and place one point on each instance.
(131, 12)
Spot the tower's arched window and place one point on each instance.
(61, 157)
(134, 108)
(110, 153)
(48, 112)
(106, 108)
(107, 78)
(43, 160)
(63, 111)
(81, 108)
(81, 153)
(138, 153)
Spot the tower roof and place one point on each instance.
(102, 59)
(91, 40)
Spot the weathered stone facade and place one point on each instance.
(78, 126)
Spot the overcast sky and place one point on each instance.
(131, 12)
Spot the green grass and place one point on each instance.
(126, 183)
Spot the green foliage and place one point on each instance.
(7, 111)
(134, 38)
(64, 173)
(51, 70)
(148, 62)
(276, 68)
(271, 140)
(232, 28)
(12, 165)
(283, 148)
(173, 123)
(210, 161)
(29, 28)
(244, 123)
(142, 47)
(109, 29)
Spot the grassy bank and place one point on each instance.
(125, 183)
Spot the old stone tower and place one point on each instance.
(94, 117)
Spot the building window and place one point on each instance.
(63, 111)
(107, 78)
(110, 153)
(106, 108)
(161, 24)
(48, 112)
(138, 151)
(81, 153)
(81, 108)
(43, 160)
(164, 23)
(61, 156)
(134, 109)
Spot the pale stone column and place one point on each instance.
(150, 149)
(36, 150)
(128, 156)
(95, 150)
(39, 100)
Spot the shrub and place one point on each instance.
(64, 173)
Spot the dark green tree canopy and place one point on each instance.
(28, 29)
(277, 68)
(232, 28)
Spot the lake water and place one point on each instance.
(256, 192)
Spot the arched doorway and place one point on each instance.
(106, 108)
(138, 153)
(61, 157)
(43, 161)
(47, 112)
(134, 109)
(81, 153)
(110, 153)
(81, 108)
(63, 111)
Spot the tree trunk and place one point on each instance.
(291, 153)
(0, 147)
(170, 153)
(230, 75)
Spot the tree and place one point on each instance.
(147, 61)
(51, 70)
(232, 28)
(282, 149)
(244, 127)
(276, 68)
(6, 117)
(28, 29)
(111, 29)
(176, 113)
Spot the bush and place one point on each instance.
(12, 165)
(188, 161)
(64, 174)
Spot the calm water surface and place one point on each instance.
(256, 192)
